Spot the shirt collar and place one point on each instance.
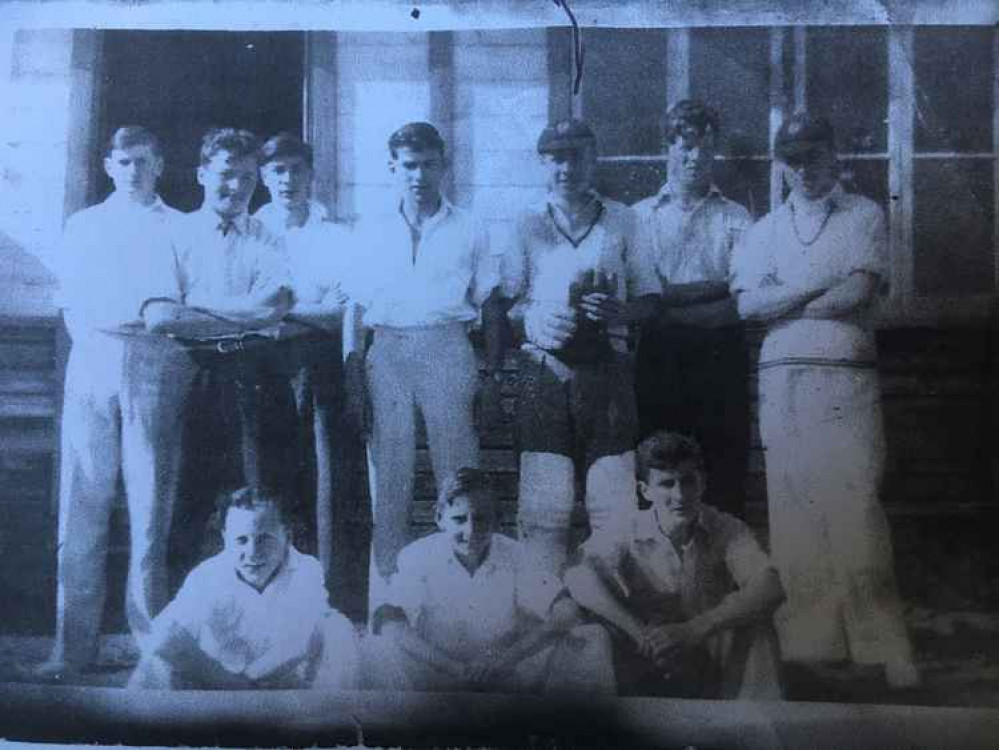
(240, 224)
(121, 201)
(668, 193)
(273, 219)
(443, 212)
(487, 566)
(647, 530)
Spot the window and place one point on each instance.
(914, 110)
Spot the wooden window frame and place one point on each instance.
(788, 93)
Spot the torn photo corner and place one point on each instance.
(652, 408)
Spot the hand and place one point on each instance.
(600, 307)
(160, 314)
(280, 302)
(482, 671)
(549, 326)
(668, 640)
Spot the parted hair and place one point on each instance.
(240, 143)
(129, 136)
(465, 482)
(285, 146)
(690, 113)
(666, 451)
(418, 136)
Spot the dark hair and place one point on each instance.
(252, 498)
(418, 136)
(465, 482)
(128, 136)
(666, 451)
(240, 143)
(285, 146)
(690, 113)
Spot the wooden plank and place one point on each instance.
(26, 355)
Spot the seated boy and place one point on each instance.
(686, 590)
(464, 613)
(255, 615)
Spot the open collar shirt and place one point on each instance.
(695, 244)
(228, 271)
(441, 276)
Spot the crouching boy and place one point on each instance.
(685, 589)
(464, 612)
(253, 616)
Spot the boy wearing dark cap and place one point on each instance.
(692, 368)
(578, 275)
(810, 270)
(426, 274)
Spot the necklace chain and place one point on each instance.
(818, 233)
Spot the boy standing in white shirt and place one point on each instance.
(121, 411)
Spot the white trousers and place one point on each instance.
(825, 451)
(432, 370)
(122, 416)
(580, 662)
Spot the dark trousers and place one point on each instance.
(695, 381)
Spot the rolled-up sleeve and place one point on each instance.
(639, 261)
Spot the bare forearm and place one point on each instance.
(423, 651)
(749, 604)
(694, 293)
(355, 333)
(591, 592)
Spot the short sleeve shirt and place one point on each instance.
(319, 260)
(542, 264)
(220, 271)
(235, 624)
(442, 277)
(113, 257)
(659, 582)
(692, 245)
(465, 613)
(774, 252)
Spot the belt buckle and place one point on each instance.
(228, 346)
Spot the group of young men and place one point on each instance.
(339, 331)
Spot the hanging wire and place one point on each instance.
(577, 45)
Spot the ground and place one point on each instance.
(958, 655)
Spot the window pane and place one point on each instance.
(624, 88)
(847, 73)
(953, 228)
(747, 182)
(868, 177)
(730, 71)
(954, 89)
(629, 182)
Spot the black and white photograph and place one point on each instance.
(558, 374)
